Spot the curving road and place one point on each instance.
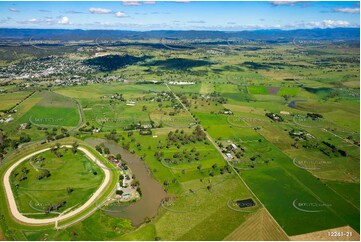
(20, 217)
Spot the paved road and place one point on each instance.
(20, 217)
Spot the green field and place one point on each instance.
(290, 91)
(257, 90)
(53, 110)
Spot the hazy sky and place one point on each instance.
(180, 15)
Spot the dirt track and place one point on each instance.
(21, 218)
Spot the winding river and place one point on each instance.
(152, 191)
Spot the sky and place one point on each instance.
(179, 15)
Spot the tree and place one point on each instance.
(99, 149)
(118, 157)
(106, 151)
(74, 148)
(25, 170)
(69, 190)
(139, 191)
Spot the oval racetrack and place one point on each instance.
(20, 217)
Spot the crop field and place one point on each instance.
(9, 100)
(290, 91)
(259, 226)
(257, 90)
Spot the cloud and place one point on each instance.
(284, 3)
(73, 12)
(13, 10)
(131, 3)
(120, 14)
(330, 24)
(30, 21)
(100, 11)
(231, 23)
(321, 24)
(197, 22)
(5, 20)
(44, 11)
(33, 20)
(64, 20)
(347, 10)
(148, 2)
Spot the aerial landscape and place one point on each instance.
(183, 120)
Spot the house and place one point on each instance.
(130, 103)
(229, 155)
(119, 188)
(23, 126)
(297, 133)
(234, 147)
(112, 159)
(9, 120)
(96, 130)
(181, 83)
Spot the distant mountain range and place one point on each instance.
(277, 35)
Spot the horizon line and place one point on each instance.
(182, 30)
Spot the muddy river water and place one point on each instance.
(152, 191)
